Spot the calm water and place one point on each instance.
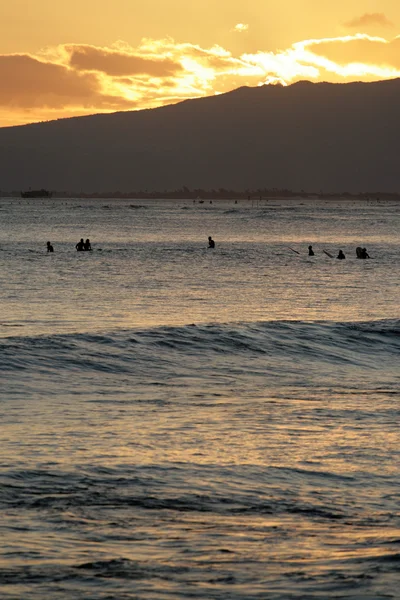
(180, 422)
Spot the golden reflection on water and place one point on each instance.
(150, 267)
(233, 452)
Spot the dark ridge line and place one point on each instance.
(200, 194)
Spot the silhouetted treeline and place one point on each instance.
(186, 193)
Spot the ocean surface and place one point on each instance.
(178, 422)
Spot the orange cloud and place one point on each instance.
(32, 83)
(374, 54)
(370, 19)
(78, 79)
(119, 63)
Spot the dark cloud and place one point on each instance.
(370, 19)
(119, 64)
(221, 63)
(34, 84)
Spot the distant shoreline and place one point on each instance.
(200, 195)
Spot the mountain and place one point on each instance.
(330, 137)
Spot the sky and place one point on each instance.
(77, 57)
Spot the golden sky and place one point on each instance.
(77, 57)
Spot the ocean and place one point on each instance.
(179, 422)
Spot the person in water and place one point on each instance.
(80, 245)
(310, 251)
(341, 255)
(87, 245)
(49, 247)
(211, 243)
(362, 252)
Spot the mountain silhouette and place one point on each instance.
(312, 136)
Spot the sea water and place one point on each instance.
(178, 422)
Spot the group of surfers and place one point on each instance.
(86, 245)
(360, 252)
(80, 246)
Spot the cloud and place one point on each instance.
(241, 28)
(32, 83)
(118, 63)
(74, 79)
(374, 54)
(369, 19)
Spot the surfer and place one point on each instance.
(310, 251)
(362, 252)
(211, 243)
(341, 255)
(87, 245)
(49, 247)
(80, 245)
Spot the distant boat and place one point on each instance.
(36, 194)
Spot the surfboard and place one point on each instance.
(293, 250)
(327, 253)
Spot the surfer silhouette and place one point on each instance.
(310, 251)
(87, 245)
(341, 255)
(211, 243)
(49, 247)
(80, 245)
(362, 252)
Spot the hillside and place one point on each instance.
(330, 137)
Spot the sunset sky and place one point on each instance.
(78, 57)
